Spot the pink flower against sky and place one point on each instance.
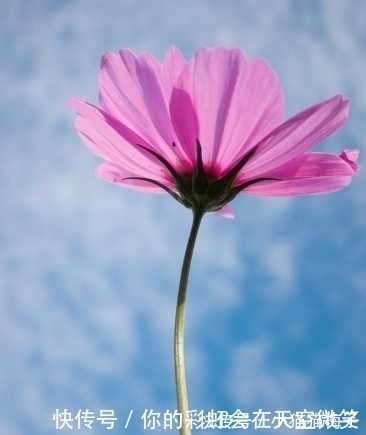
(205, 131)
(208, 129)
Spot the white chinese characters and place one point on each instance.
(64, 420)
(327, 419)
(172, 420)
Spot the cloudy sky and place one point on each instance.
(88, 271)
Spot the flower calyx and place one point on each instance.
(199, 192)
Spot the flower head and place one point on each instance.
(208, 129)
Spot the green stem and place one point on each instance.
(180, 375)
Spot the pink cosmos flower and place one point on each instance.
(208, 129)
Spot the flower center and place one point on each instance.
(199, 191)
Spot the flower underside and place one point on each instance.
(231, 105)
(199, 192)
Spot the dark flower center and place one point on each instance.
(197, 191)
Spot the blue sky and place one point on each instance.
(88, 271)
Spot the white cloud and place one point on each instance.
(254, 381)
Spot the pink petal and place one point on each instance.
(185, 123)
(307, 174)
(118, 175)
(351, 156)
(136, 91)
(226, 212)
(312, 165)
(226, 101)
(298, 135)
(111, 140)
(304, 186)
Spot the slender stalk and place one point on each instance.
(180, 374)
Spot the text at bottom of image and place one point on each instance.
(153, 420)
